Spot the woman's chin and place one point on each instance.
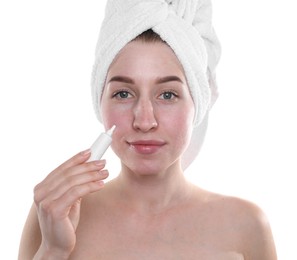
(151, 169)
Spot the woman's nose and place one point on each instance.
(144, 116)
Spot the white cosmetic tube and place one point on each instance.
(101, 144)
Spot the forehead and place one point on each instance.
(139, 58)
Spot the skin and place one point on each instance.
(149, 211)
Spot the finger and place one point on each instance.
(76, 159)
(74, 213)
(73, 161)
(56, 178)
(77, 180)
(59, 208)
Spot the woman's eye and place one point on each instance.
(122, 94)
(168, 95)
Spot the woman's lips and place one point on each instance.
(146, 146)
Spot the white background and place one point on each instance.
(46, 57)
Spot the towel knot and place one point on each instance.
(185, 9)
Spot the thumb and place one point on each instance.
(74, 213)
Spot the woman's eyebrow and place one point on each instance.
(159, 80)
(122, 79)
(168, 79)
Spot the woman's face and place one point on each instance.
(146, 96)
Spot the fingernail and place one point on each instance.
(100, 162)
(100, 183)
(103, 173)
(86, 152)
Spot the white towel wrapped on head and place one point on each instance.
(185, 25)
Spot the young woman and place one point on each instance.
(149, 211)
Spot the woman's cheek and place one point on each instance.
(117, 115)
(181, 116)
(179, 121)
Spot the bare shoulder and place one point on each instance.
(31, 236)
(256, 238)
(243, 222)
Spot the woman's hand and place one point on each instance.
(58, 199)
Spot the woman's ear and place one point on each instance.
(196, 142)
(213, 88)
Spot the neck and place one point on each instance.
(150, 194)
